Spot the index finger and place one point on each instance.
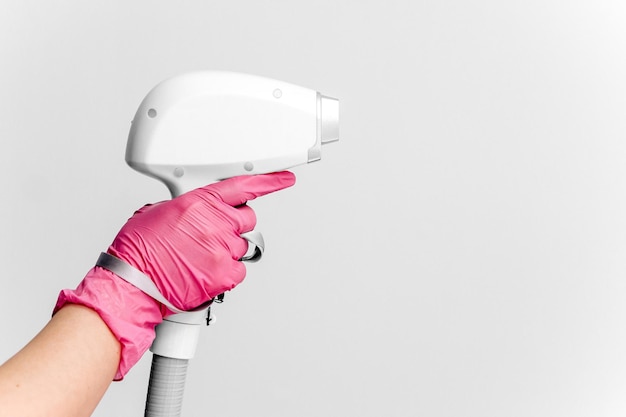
(237, 190)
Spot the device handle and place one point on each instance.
(175, 343)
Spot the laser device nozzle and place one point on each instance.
(206, 126)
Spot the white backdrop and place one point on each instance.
(460, 252)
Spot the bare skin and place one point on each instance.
(64, 371)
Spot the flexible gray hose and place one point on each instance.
(167, 386)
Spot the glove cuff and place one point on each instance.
(130, 314)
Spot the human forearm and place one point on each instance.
(64, 370)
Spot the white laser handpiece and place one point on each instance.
(201, 127)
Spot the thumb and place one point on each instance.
(237, 190)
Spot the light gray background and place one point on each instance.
(460, 252)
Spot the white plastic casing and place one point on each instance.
(200, 127)
(177, 336)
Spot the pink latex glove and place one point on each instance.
(189, 246)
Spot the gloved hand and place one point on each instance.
(189, 246)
